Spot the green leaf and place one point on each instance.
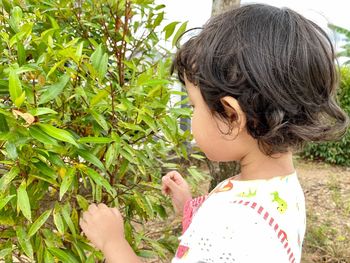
(99, 179)
(45, 178)
(169, 29)
(21, 53)
(53, 22)
(98, 97)
(41, 111)
(99, 61)
(23, 203)
(96, 57)
(3, 124)
(100, 120)
(58, 64)
(143, 203)
(39, 222)
(149, 121)
(111, 154)
(48, 258)
(4, 87)
(102, 140)
(103, 66)
(79, 50)
(179, 33)
(88, 156)
(66, 215)
(57, 133)
(15, 18)
(63, 255)
(158, 19)
(66, 182)
(147, 253)
(130, 126)
(79, 250)
(54, 90)
(90, 259)
(19, 101)
(46, 170)
(11, 151)
(197, 156)
(24, 241)
(7, 178)
(4, 252)
(82, 202)
(5, 200)
(7, 5)
(128, 231)
(15, 87)
(42, 137)
(57, 219)
(186, 112)
(197, 176)
(152, 82)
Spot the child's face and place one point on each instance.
(206, 130)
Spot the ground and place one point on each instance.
(327, 194)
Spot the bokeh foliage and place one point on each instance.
(84, 117)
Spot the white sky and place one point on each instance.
(322, 12)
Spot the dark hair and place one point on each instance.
(279, 66)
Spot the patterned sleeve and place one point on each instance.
(190, 209)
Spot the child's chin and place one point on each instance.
(219, 158)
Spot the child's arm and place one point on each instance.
(174, 185)
(104, 227)
(120, 252)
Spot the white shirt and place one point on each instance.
(246, 222)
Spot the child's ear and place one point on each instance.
(234, 111)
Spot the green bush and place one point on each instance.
(335, 152)
(84, 117)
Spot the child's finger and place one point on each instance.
(86, 217)
(170, 183)
(178, 178)
(92, 208)
(165, 190)
(116, 212)
(83, 226)
(165, 187)
(102, 206)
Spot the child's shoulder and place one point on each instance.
(280, 196)
(249, 188)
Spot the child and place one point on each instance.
(262, 82)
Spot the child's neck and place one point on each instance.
(256, 165)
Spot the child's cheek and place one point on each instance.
(197, 130)
(201, 128)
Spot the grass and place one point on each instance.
(328, 214)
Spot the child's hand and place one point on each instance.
(174, 184)
(102, 226)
